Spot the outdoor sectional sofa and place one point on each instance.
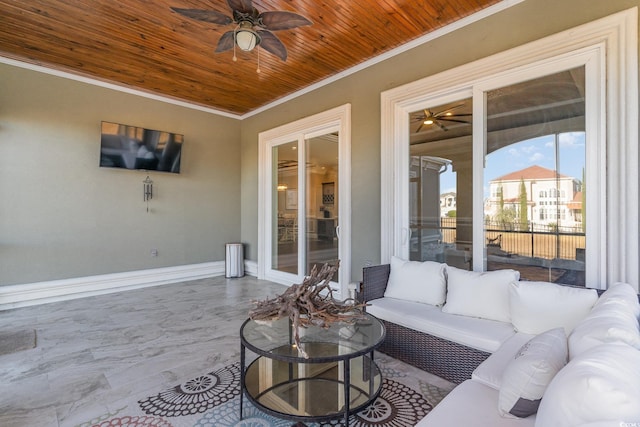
(507, 342)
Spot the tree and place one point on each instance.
(500, 215)
(523, 217)
(504, 216)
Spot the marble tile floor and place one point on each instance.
(94, 352)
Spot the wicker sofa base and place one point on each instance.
(451, 361)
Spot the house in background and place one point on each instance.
(552, 198)
(447, 203)
(70, 228)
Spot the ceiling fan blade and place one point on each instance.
(282, 20)
(271, 43)
(448, 110)
(420, 127)
(456, 115)
(440, 125)
(225, 43)
(444, 119)
(421, 116)
(204, 15)
(244, 6)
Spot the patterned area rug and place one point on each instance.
(213, 400)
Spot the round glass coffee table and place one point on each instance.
(338, 376)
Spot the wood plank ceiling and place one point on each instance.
(144, 45)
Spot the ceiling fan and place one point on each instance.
(252, 28)
(427, 118)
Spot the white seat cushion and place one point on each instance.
(471, 404)
(490, 371)
(481, 334)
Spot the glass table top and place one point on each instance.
(275, 339)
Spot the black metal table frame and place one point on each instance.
(346, 358)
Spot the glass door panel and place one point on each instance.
(304, 202)
(285, 208)
(533, 178)
(440, 184)
(322, 220)
(317, 208)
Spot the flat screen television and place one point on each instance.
(136, 148)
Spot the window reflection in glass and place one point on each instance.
(322, 205)
(533, 179)
(440, 184)
(285, 206)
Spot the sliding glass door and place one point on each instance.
(533, 209)
(305, 225)
(285, 212)
(322, 234)
(305, 216)
(440, 183)
(534, 178)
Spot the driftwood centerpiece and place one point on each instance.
(304, 304)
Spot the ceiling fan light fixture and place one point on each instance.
(252, 28)
(246, 38)
(428, 122)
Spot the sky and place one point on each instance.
(537, 151)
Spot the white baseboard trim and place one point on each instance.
(23, 295)
(13, 296)
(251, 268)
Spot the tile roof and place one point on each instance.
(530, 173)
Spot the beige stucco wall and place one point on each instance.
(63, 216)
(524, 22)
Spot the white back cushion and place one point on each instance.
(599, 387)
(537, 307)
(423, 282)
(528, 374)
(614, 318)
(479, 294)
(622, 294)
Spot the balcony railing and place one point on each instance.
(532, 240)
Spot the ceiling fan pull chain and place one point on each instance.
(235, 33)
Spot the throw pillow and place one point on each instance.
(423, 282)
(491, 370)
(539, 306)
(479, 294)
(599, 387)
(528, 374)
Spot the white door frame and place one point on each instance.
(612, 42)
(337, 119)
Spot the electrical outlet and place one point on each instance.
(154, 252)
